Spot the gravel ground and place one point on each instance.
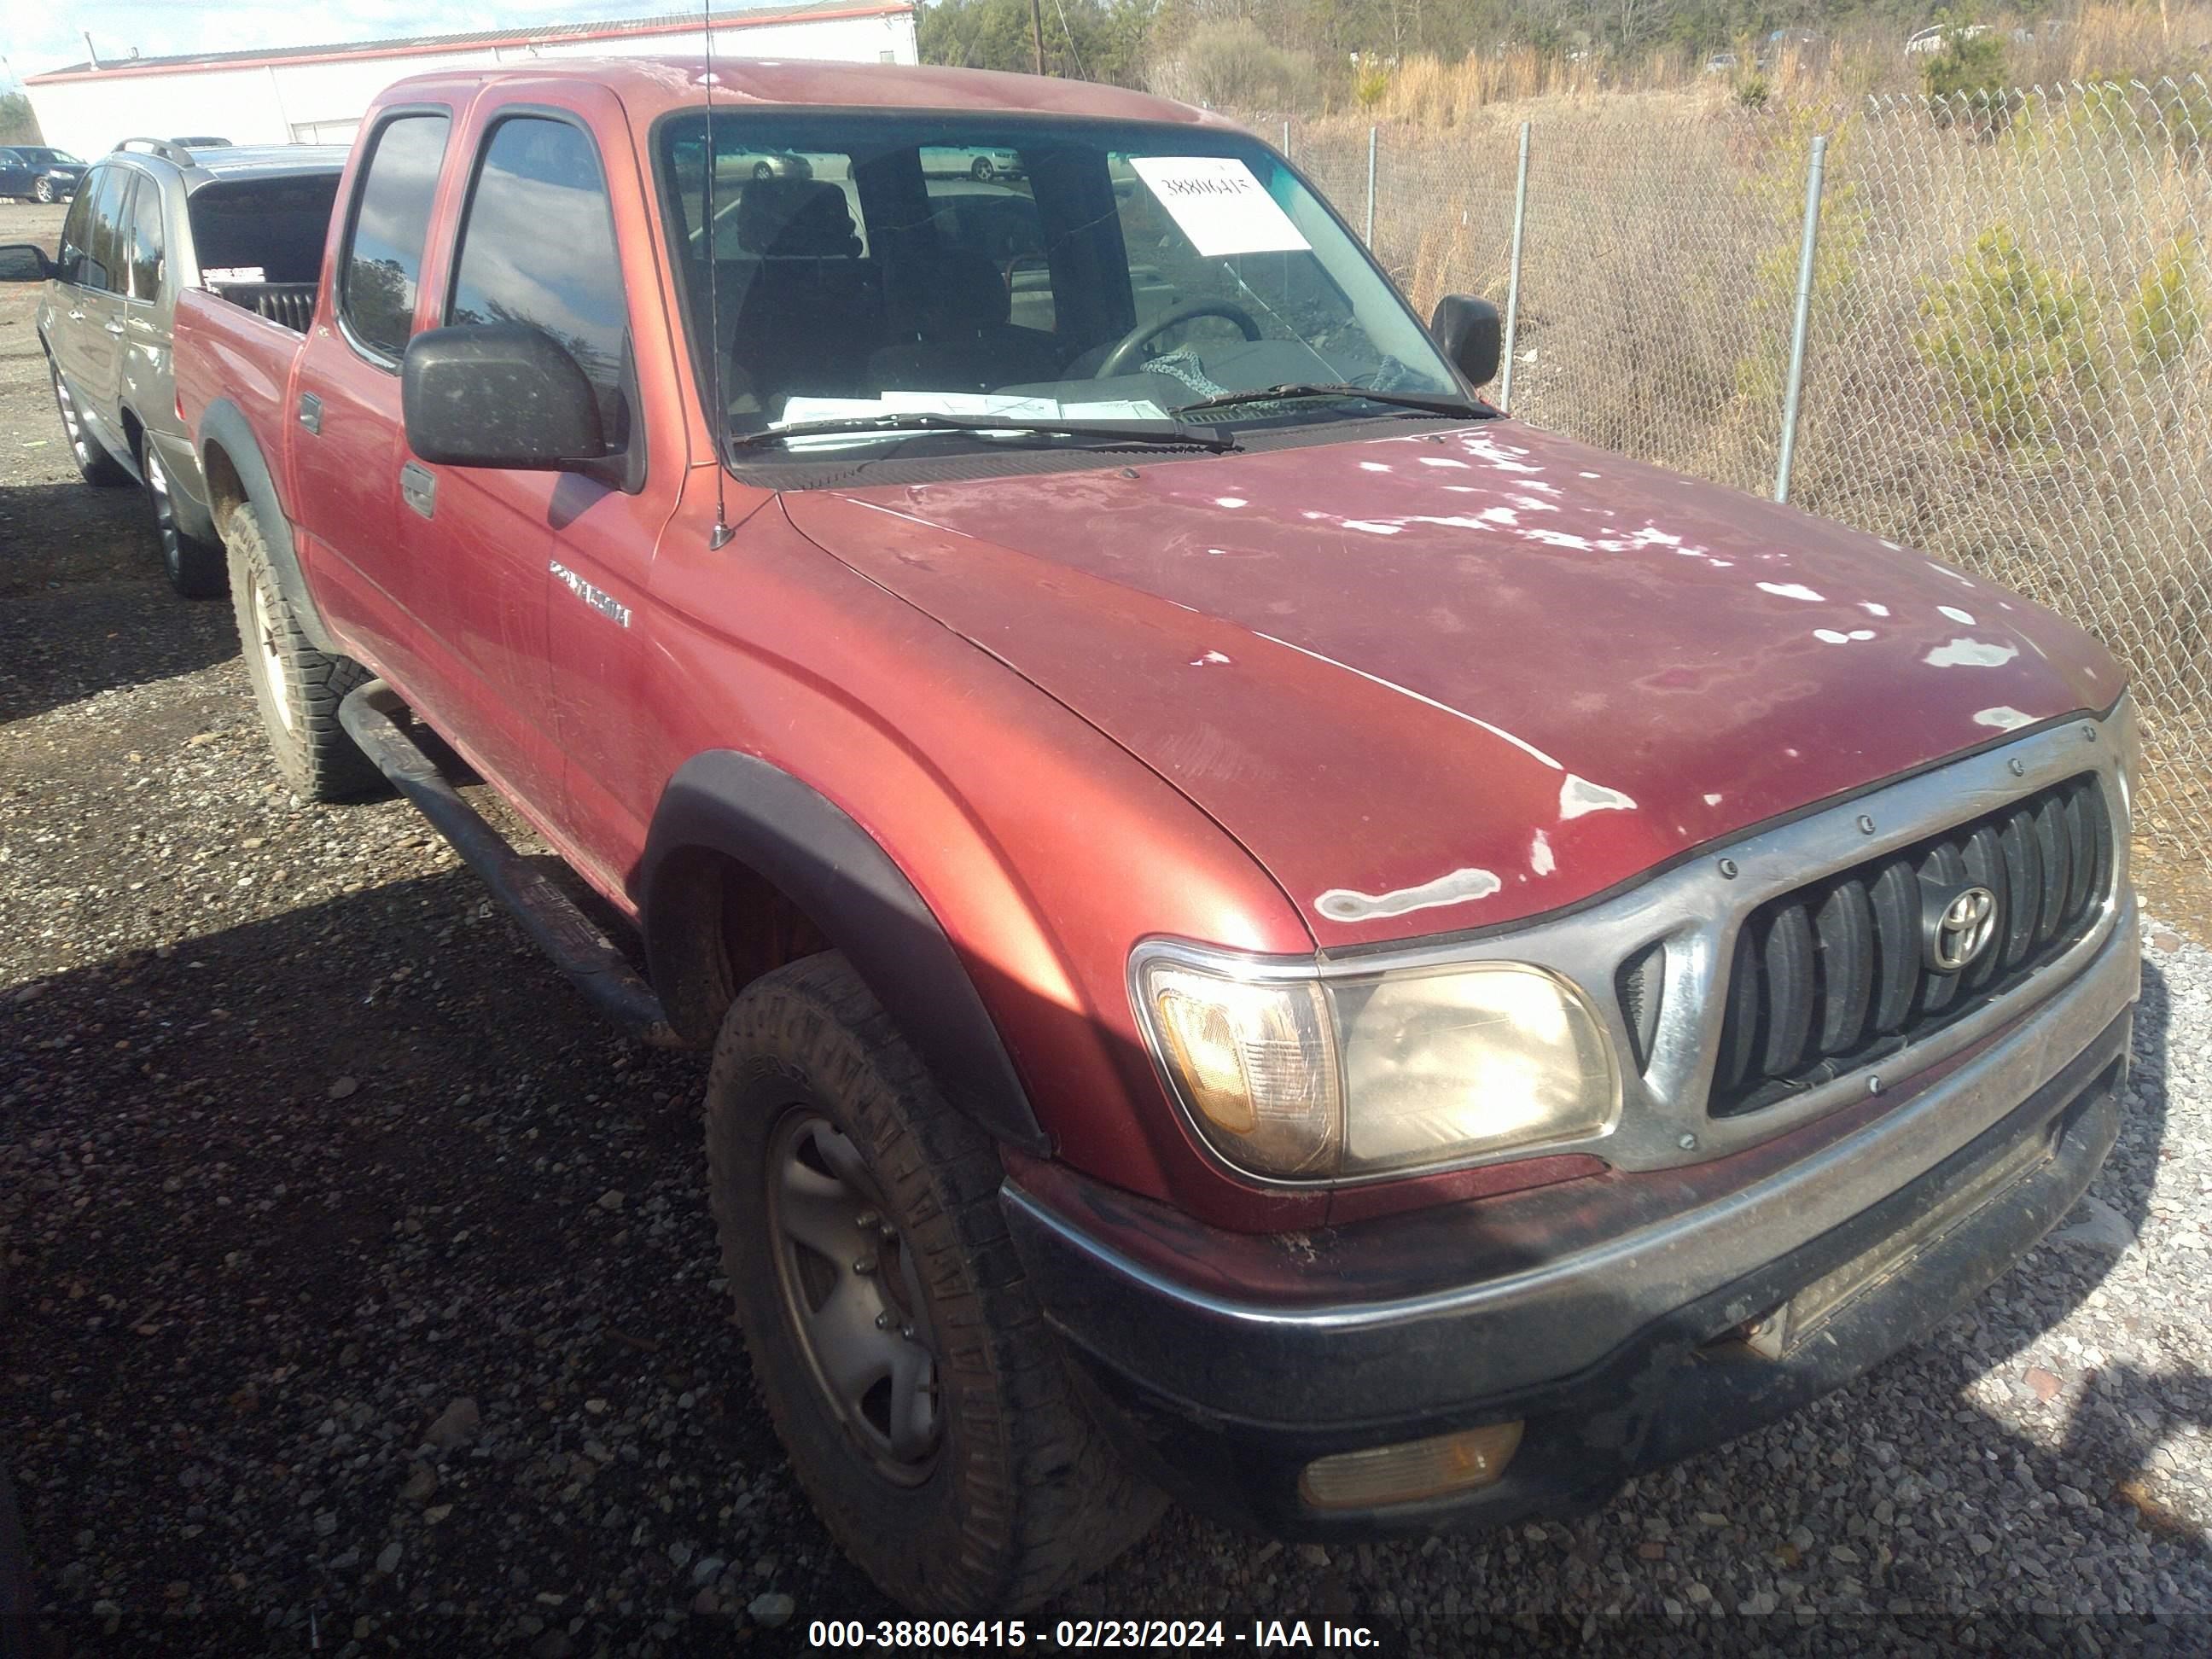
(357, 1293)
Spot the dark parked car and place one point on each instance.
(36, 172)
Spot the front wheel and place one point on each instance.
(195, 569)
(929, 1415)
(43, 192)
(93, 464)
(983, 170)
(297, 687)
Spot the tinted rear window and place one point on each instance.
(275, 226)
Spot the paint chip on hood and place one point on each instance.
(1460, 887)
(1578, 795)
(1970, 654)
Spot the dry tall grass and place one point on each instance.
(2102, 41)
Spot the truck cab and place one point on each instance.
(1269, 933)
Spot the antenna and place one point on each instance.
(718, 414)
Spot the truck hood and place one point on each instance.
(1438, 680)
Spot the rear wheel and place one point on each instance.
(195, 569)
(93, 464)
(297, 687)
(43, 190)
(983, 170)
(929, 1415)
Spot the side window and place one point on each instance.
(538, 246)
(391, 222)
(102, 266)
(76, 229)
(144, 255)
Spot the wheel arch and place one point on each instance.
(238, 475)
(738, 840)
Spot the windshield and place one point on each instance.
(48, 158)
(867, 266)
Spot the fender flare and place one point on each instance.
(809, 848)
(224, 424)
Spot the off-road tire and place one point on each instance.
(1024, 1498)
(297, 687)
(196, 570)
(93, 464)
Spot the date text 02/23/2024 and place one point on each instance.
(1259, 1635)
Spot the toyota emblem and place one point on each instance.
(1962, 928)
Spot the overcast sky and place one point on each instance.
(44, 35)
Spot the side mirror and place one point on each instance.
(498, 394)
(24, 262)
(1472, 334)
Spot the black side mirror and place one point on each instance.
(24, 262)
(1472, 334)
(498, 394)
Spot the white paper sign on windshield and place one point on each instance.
(1220, 206)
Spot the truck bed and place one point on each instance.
(229, 345)
(289, 304)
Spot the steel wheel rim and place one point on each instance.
(70, 425)
(272, 664)
(851, 1297)
(165, 512)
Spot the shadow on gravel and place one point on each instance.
(87, 607)
(278, 1196)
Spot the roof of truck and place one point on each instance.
(650, 87)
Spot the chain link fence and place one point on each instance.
(2007, 360)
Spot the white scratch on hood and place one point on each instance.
(1498, 732)
(1539, 854)
(1557, 538)
(1210, 657)
(1460, 887)
(1831, 636)
(2003, 718)
(1943, 570)
(1578, 795)
(1970, 654)
(1791, 590)
(1374, 526)
(1957, 615)
(1443, 461)
(1872, 609)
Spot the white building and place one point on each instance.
(316, 94)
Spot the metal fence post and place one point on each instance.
(1513, 281)
(1794, 392)
(1286, 137)
(1371, 190)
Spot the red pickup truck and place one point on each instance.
(1269, 933)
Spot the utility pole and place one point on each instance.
(1037, 31)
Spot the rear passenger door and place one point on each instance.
(146, 388)
(344, 416)
(89, 340)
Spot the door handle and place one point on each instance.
(311, 412)
(418, 486)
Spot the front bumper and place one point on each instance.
(1601, 1312)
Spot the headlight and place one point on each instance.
(1291, 1076)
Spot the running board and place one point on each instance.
(371, 714)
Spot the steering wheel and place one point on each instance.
(1119, 359)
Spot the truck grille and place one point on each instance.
(1835, 975)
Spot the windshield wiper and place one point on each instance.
(1119, 432)
(1434, 403)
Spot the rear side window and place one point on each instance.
(538, 246)
(143, 252)
(102, 265)
(392, 221)
(76, 229)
